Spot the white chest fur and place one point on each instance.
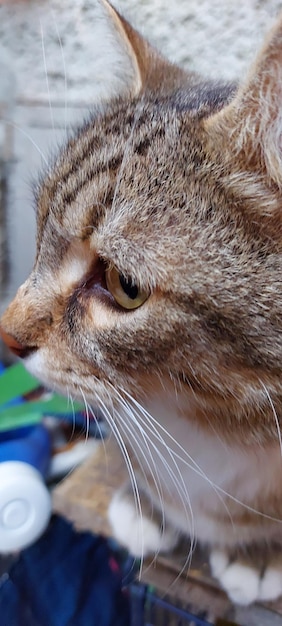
(193, 470)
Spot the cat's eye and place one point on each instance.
(125, 292)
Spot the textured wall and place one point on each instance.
(212, 36)
(48, 71)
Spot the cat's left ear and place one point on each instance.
(249, 129)
(123, 61)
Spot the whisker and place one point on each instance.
(86, 413)
(130, 469)
(180, 487)
(46, 75)
(70, 401)
(132, 415)
(133, 436)
(194, 467)
(218, 490)
(274, 414)
(102, 438)
(175, 481)
(122, 425)
(64, 66)
(23, 132)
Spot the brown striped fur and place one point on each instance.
(176, 182)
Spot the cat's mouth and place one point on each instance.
(62, 379)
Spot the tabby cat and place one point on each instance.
(156, 295)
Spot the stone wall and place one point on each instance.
(215, 37)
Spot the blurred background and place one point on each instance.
(48, 80)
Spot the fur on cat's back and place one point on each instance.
(156, 295)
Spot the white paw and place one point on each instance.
(271, 583)
(140, 535)
(218, 562)
(243, 583)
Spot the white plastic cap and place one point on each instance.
(25, 505)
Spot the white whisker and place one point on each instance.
(197, 470)
(64, 67)
(70, 401)
(46, 75)
(25, 134)
(274, 414)
(176, 478)
(86, 413)
(218, 490)
(91, 411)
(146, 456)
(130, 469)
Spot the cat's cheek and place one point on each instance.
(100, 316)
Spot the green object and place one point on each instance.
(24, 419)
(16, 381)
(52, 405)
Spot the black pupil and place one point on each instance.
(128, 286)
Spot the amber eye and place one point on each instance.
(125, 292)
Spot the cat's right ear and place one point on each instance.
(123, 61)
(248, 131)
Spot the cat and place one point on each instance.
(156, 295)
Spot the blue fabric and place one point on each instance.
(65, 579)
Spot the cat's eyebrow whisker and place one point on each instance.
(46, 75)
(274, 414)
(63, 62)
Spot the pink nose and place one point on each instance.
(17, 348)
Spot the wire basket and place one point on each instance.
(148, 609)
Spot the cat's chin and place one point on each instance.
(52, 377)
(65, 379)
(35, 364)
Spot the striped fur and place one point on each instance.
(176, 183)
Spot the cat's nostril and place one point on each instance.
(17, 348)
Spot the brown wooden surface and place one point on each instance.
(83, 497)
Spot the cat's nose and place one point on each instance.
(17, 348)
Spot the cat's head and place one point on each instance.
(159, 237)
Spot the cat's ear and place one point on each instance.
(124, 62)
(250, 127)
